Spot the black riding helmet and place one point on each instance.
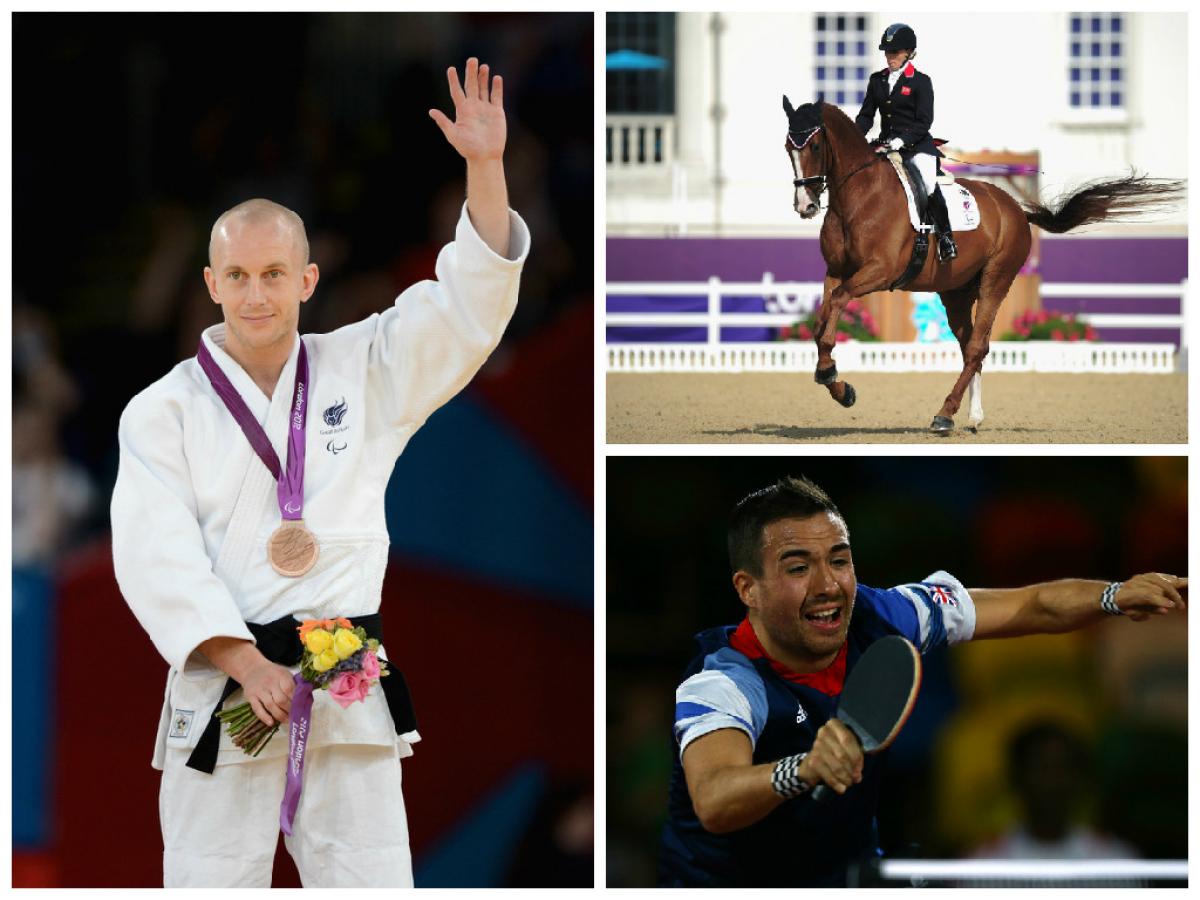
(898, 37)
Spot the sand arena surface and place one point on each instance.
(1019, 408)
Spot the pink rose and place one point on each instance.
(349, 687)
(370, 666)
(1056, 334)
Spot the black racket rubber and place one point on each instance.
(878, 696)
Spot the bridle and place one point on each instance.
(823, 179)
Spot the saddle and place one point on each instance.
(910, 177)
(907, 168)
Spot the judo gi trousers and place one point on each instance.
(350, 830)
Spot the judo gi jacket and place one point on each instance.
(193, 505)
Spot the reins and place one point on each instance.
(823, 178)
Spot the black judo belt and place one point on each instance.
(278, 641)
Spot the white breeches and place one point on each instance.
(927, 165)
(350, 829)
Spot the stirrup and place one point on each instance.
(947, 249)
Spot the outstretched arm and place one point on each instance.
(478, 133)
(1072, 603)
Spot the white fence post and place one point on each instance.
(714, 311)
(1183, 314)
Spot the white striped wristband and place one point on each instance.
(785, 778)
(1107, 603)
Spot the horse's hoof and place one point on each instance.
(826, 376)
(848, 396)
(942, 425)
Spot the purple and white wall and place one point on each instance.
(1091, 260)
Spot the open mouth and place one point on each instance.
(829, 620)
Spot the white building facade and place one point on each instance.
(1093, 93)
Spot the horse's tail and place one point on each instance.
(1103, 200)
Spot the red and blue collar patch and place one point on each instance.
(828, 681)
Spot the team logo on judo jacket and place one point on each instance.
(334, 415)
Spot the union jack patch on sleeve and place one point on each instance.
(941, 595)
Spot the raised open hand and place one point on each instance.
(478, 131)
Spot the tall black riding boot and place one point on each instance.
(947, 250)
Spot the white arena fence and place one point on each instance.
(787, 301)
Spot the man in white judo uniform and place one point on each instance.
(218, 557)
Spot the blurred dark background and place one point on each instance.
(131, 133)
(1082, 735)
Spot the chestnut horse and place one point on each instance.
(867, 240)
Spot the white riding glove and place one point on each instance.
(895, 143)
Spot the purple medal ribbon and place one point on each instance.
(299, 718)
(290, 492)
(290, 483)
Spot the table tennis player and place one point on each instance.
(754, 714)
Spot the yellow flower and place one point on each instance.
(325, 660)
(346, 643)
(318, 640)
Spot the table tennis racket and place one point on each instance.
(878, 696)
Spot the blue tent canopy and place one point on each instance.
(631, 60)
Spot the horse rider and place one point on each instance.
(904, 98)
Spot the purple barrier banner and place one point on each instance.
(1063, 259)
(681, 334)
(1148, 306)
(651, 303)
(1114, 260)
(655, 334)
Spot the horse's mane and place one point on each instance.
(837, 121)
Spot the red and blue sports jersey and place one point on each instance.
(732, 683)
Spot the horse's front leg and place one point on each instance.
(837, 295)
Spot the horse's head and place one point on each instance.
(805, 147)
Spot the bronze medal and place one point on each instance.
(292, 549)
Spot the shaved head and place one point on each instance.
(255, 212)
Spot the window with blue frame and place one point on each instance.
(841, 58)
(1097, 61)
(646, 84)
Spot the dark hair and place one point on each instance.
(788, 498)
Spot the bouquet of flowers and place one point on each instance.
(338, 657)
(855, 323)
(1044, 326)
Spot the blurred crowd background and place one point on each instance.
(131, 133)
(1069, 745)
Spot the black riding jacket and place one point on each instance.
(906, 110)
